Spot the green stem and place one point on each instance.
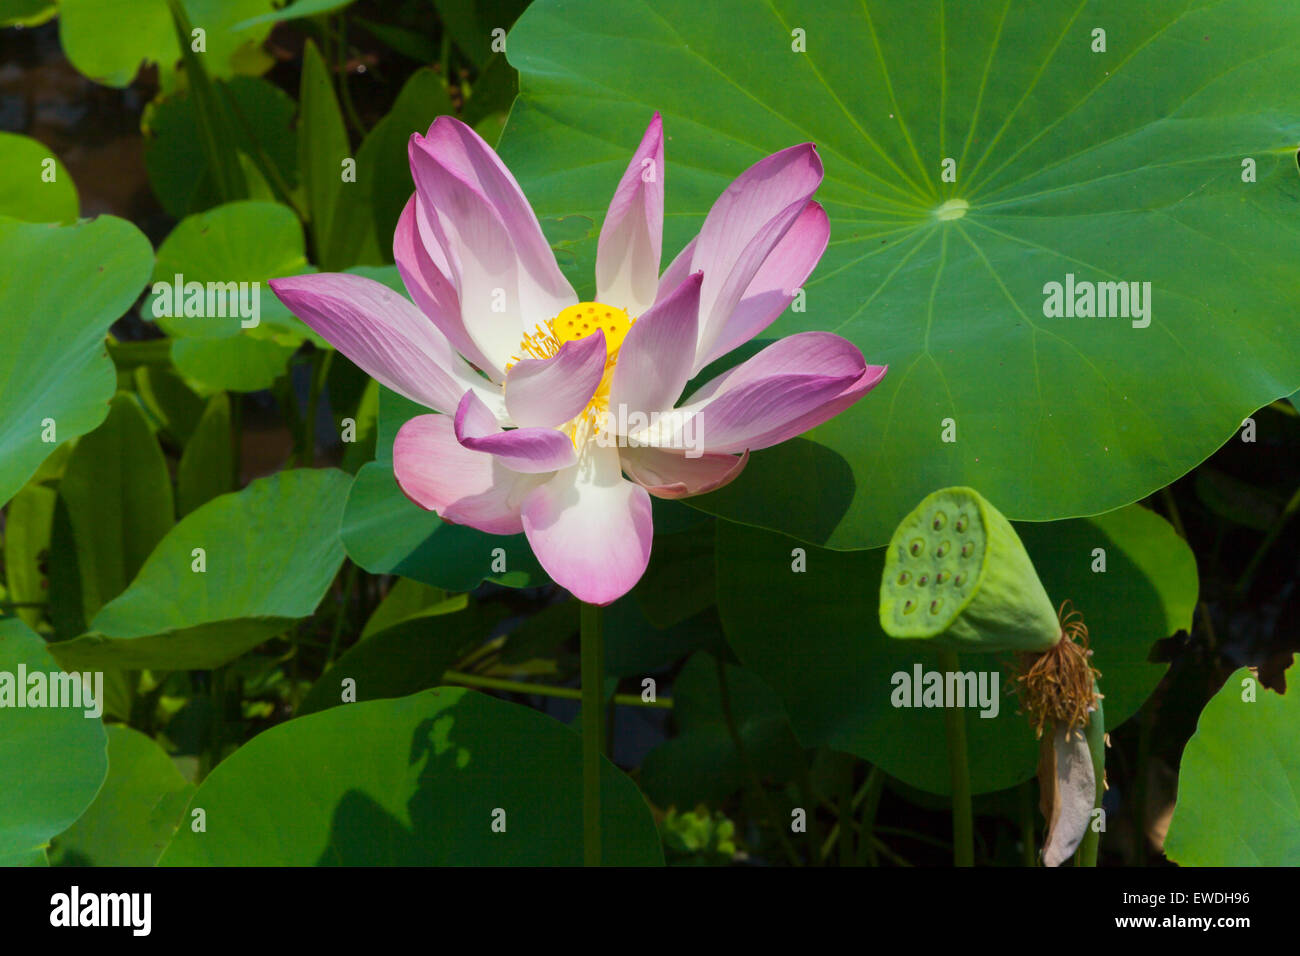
(914, 835)
(345, 94)
(773, 818)
(1171, 506)
(341, 615)
(592, 651)
(1028, 835)
(963, 828)
(1176, 519)
(876, 843)
(545, 690)
(265, 165)
(320, 366)
(211, 755)
(844, 808)
(1243, 583)
(808, 794)
(1145, 718)
(874, 788)
(845, 842)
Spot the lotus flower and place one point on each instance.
(559, 418)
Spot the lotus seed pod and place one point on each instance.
(957, 574)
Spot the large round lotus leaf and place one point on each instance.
(52, 759)
(109, 40)
(230, 574)
(136, 812)
(60, 290)
(239, 363)
(1239, 780)
(419, 780)
(386, 533)
(26, 190)
(814, 636)
(1128, 164)
(244, 241)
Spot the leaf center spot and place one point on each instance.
(952, 209)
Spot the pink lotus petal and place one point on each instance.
(527, 450)
(504, 289)
(773, 287)
(743, 227)
(484, 265)
(424, 272)
(677, 271)
(463, 486)
(383, 334)
(654, 362)
(668, 473)
(794, 384)
(461, 150)
(550, 392)
(590, 528)
(631, 237)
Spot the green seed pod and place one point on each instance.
(957, 574)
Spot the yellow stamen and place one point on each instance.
(540, 343)
(577, 322)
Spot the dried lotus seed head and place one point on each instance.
(933, 565)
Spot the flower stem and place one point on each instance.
(593, 725)
(963, 829)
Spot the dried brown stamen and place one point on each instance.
(1058, 686)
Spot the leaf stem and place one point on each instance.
(545, 690)
(876, 843)
(345, 94)
(340, 618)
(873, 790)
(738, 742)
(963, 829)
(1248, 575)
(1176, 519)
(320, 366)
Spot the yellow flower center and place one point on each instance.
(577, 322)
